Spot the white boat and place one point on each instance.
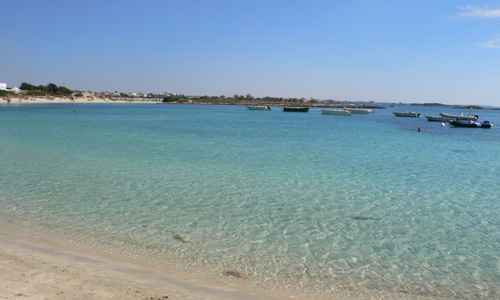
(340, 112)
(364, 111)
(438, 118)
(258, 107)
(407, 114)
(461, 116)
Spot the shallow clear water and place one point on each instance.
(305, 203)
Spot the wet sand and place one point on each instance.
(32, 271)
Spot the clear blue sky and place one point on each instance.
(398, 50)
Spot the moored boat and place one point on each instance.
(408, 114)
(460, 116)
(364, 111)
(258, 107)
(471, 124)
(339, 112)
(438, 118)
(296, 108)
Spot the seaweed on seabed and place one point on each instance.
(181, 237)
(236, 273)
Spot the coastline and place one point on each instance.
(36, 270)
(93, 99)
(59, 100)
(33, 270)
(78, 249)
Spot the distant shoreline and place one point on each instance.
(90, 99)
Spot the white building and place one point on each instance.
(3, 86)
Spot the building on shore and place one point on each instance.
(165, 94)
(3, 87)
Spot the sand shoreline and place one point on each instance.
(39, 270)
(36, 271)
(58, 100)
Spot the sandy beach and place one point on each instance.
(92, 209)
(59, 100)
(32, 271)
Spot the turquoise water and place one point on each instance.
(306, 204)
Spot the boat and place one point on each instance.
(340, 112)
(438, 118)
(296, 108)
(408, 114)
(461, 116)
(470, 123)
(258, 107)
(365, 111)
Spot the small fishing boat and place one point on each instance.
(461, 116)
(364, 111)
(471, 124)
(407, 114)
(296, 108)
(438, 118)
(339, 112)
(258, 107)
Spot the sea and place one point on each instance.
(301, 205)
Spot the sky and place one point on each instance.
(412, 51)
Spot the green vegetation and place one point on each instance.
(176, 98)
(52, 90)
(42, 90)
(472, 107)
(434, 104)
(245, 100)
(5, 93)
(248, 97)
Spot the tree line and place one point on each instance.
(54, 90)
(241, 98)
(42, 90)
